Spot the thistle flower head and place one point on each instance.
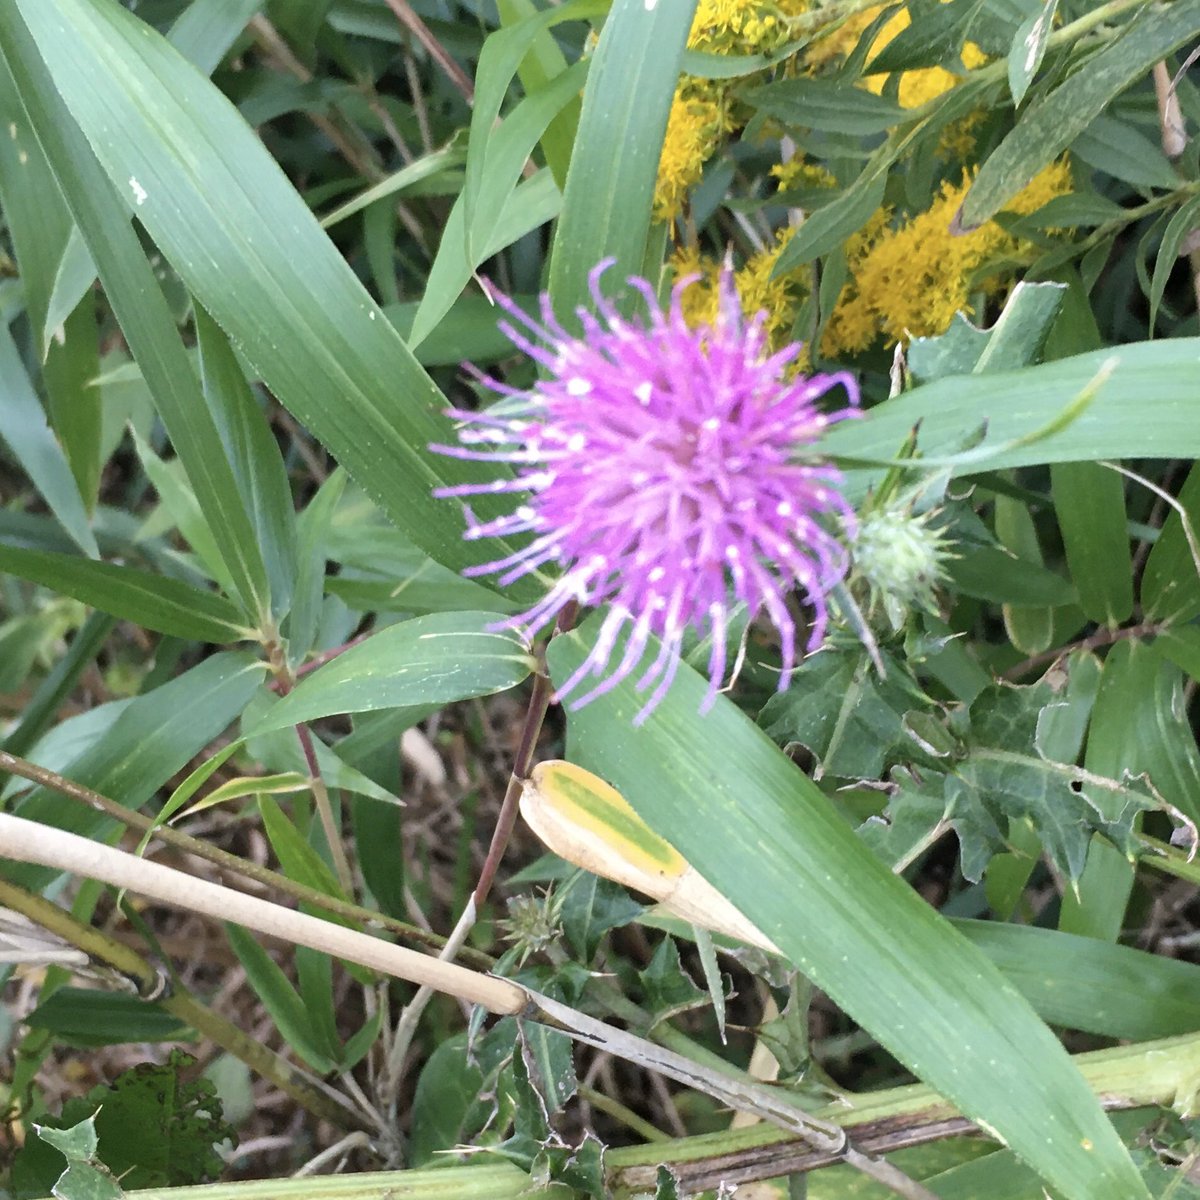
(662, 479)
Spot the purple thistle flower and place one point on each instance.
(662, 480)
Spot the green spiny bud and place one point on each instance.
(902, 559)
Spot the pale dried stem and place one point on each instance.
(31, 842)
(1174, 142)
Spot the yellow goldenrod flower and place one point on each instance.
(910, 281)
(778, 300)
(700, 110)
(742, 26)
(798, 172)
(693, 128)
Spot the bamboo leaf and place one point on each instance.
(429, 660)
(166, 605)
(249, 249)
(610, 186)
(138, 302)
(23, 426)
(764, 836)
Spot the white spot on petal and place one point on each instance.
(644, 391)
(656, 574)
(576, 442)
(783, 508)
(578, 386)
(139, 193)
(713, 423)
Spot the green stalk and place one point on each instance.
(1162, 1073)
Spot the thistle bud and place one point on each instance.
(901, 558)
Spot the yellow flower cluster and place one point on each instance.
(800, 172)
(777, 299)
(693, 128)
(701, 107)
(910, 280)
(743, 26)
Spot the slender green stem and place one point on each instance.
(627, 1117)
(1092, 20)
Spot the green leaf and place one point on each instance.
(825, 104)
(1015, 340)
(23, 426)
(281, 1000)
(667, 988)
(758, 830)
(1142, 409)
(297, 858)
(1170, 587)
(841, 711)
(1096, 906)
(1121, 150)
(153, 601)
(990, 573)
(88, 1017)
(429, 166)
(1028, 49)
(530, 205)
(1002, 772)
(446, 1092)
(828, 227)
(1138, 726)
(38, 221)
(137, 300)
(246, 245)
(153, 738)
(155, 1127)
(313, 534)
(1051, 123)
(498, 153)
(41, 710)
(591, 906)
(1101, 988)
(1030, 625)
(429, 660)
(253, 454)
(204, 32)
(1089, 501)
(610, 186)
(77, 1144)
(72, 364)
(543, 61)
(1183, 221)
(549, 1058)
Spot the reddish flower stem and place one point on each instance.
(535, 715)
(1103, 637)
